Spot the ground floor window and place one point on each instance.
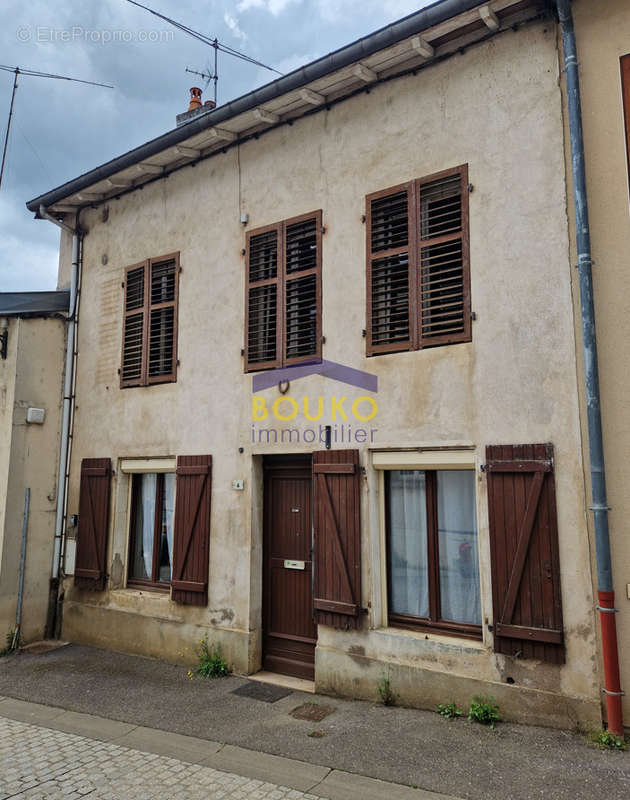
(151, 529)
(433, 565)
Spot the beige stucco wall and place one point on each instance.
(603, 36)
(497, 108)
(30, 377)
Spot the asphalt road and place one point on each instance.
(417, 748)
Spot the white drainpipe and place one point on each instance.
(64, 450)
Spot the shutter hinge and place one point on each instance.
(243, 251)
(119, 371)
(323, 229)
(473, 315)
(364, 333)
(470, 188)
(122, 285)
(242, 351)
(363, 218)
(181, 269)
(323, 340)
(483, 467)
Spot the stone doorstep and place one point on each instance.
(321, 781)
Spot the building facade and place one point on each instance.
(32, 334)
(326, 401)
(603, 40)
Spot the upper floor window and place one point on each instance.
(418, 277)
(283, 293)
(149, 348)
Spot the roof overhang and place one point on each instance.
(28, 304)
(414, 42)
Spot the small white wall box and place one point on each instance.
(35, 416)
(70, 556)
(238, 484)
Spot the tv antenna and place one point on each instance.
(211, 42)
(32, 73)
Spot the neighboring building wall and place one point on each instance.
(603, 37)
(30, 377)
(496, 108)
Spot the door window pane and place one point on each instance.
(409, 588)
(152, 515)
(457, 545)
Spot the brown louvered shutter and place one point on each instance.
(337, 538)
(391, 299)
(443, 259)
(192, 530)
(162, 312)
(524, 552)
(91, 554)
(263, 344)
(302, 288)
(132, 367)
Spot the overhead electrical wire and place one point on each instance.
(32, 73)
(210, 41)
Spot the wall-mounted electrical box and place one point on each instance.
(35, 416)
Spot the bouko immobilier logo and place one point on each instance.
(342, 420)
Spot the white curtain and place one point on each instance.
(168, 517)
(457, 542)
(408, 543)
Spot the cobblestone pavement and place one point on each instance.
(38, 763)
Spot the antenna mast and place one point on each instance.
(33, 74)
(209, 40)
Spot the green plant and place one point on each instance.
(449, 710)
(13, 642)
(606, 740)
(385, 691)
(211, 662)
(484, 710)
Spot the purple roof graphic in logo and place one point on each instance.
(329, 369)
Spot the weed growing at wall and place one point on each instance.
(484, 710)
(606, 740)
(385, 691)
(13, 643)
(449, 710)
(211, 662)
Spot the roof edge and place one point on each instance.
(361, 48)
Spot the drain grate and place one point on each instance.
(265, 692)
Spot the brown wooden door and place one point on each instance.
(289, 632)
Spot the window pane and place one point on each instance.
(457, 542)
(166, 533)
(409, 593)
(143, 520)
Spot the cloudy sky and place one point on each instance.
(62, 129)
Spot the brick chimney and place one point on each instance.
(195, 107)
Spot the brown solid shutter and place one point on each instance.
(162, 319)
(192, 530)
(391, 285)
(337, 538)
(89, 571)
(524, 552)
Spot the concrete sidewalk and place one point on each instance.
(69, 766)
(403, 746)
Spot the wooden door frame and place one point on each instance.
(283, 465)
